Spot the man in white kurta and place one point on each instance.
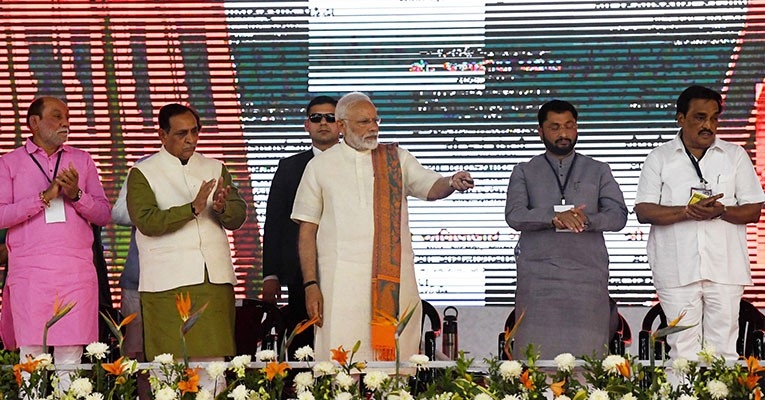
(335, 208)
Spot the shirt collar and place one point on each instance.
(677, 143)
(173, 159)
(565, 161)
(32, 148)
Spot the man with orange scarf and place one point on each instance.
(354, 241)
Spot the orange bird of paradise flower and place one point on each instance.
(274, 369)
(116, 368)
(183, 304)
(305, 324)
(191, 384)
(340, 355)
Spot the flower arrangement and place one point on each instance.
(613, 377)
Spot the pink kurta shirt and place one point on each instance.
(49, 260)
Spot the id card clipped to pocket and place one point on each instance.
(698, 194)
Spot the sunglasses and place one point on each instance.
(316, 118)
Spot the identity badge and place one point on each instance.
(698, 194)
(55, 213)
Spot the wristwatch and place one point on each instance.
(79, 195)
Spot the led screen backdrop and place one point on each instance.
(457, 83)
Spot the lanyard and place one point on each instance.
(55, 171)
(562, 186)
(696, 164)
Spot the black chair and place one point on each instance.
(751, 332)
(661, 351)
(509, 324)
(621, 338)
(429, 337)
(259, 326)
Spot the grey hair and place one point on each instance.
(349, 101)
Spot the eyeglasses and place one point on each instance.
(317, 117)
(367, 122)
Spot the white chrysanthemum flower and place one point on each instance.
(598, 394)
(241, 361)
(324, 368)
(687, 397)
(204, 394)
(94, 396)
(45, 360)
(239, 393)
(265, 355)
(512, 397)
(629, 396)
(482, 396)
(401, 395)
(164, 358)
(305, 396)
(680, 365)
(344, 380)
(707, 353)
(717, 389)
(343, 396)
(565, 362)
(166, 393)
(563, 397)
(97, 350)
(304, 353)
(419, 360)
(610, 363)
(510, 369)
(375, 379)
(81, 387)
(303, 381)
(216, 369)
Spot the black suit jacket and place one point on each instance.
(280, 233)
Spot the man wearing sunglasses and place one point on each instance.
(354, 240)
(280, 254)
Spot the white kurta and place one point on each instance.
(336, 192)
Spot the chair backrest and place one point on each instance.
(509, 324)
(661, 349)
(429, 337)
(621, 337)
(259, 325)
(751, 323)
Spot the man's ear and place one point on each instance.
(34, 122)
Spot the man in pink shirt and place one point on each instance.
(51, 194)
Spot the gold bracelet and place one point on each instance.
(44, 200)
